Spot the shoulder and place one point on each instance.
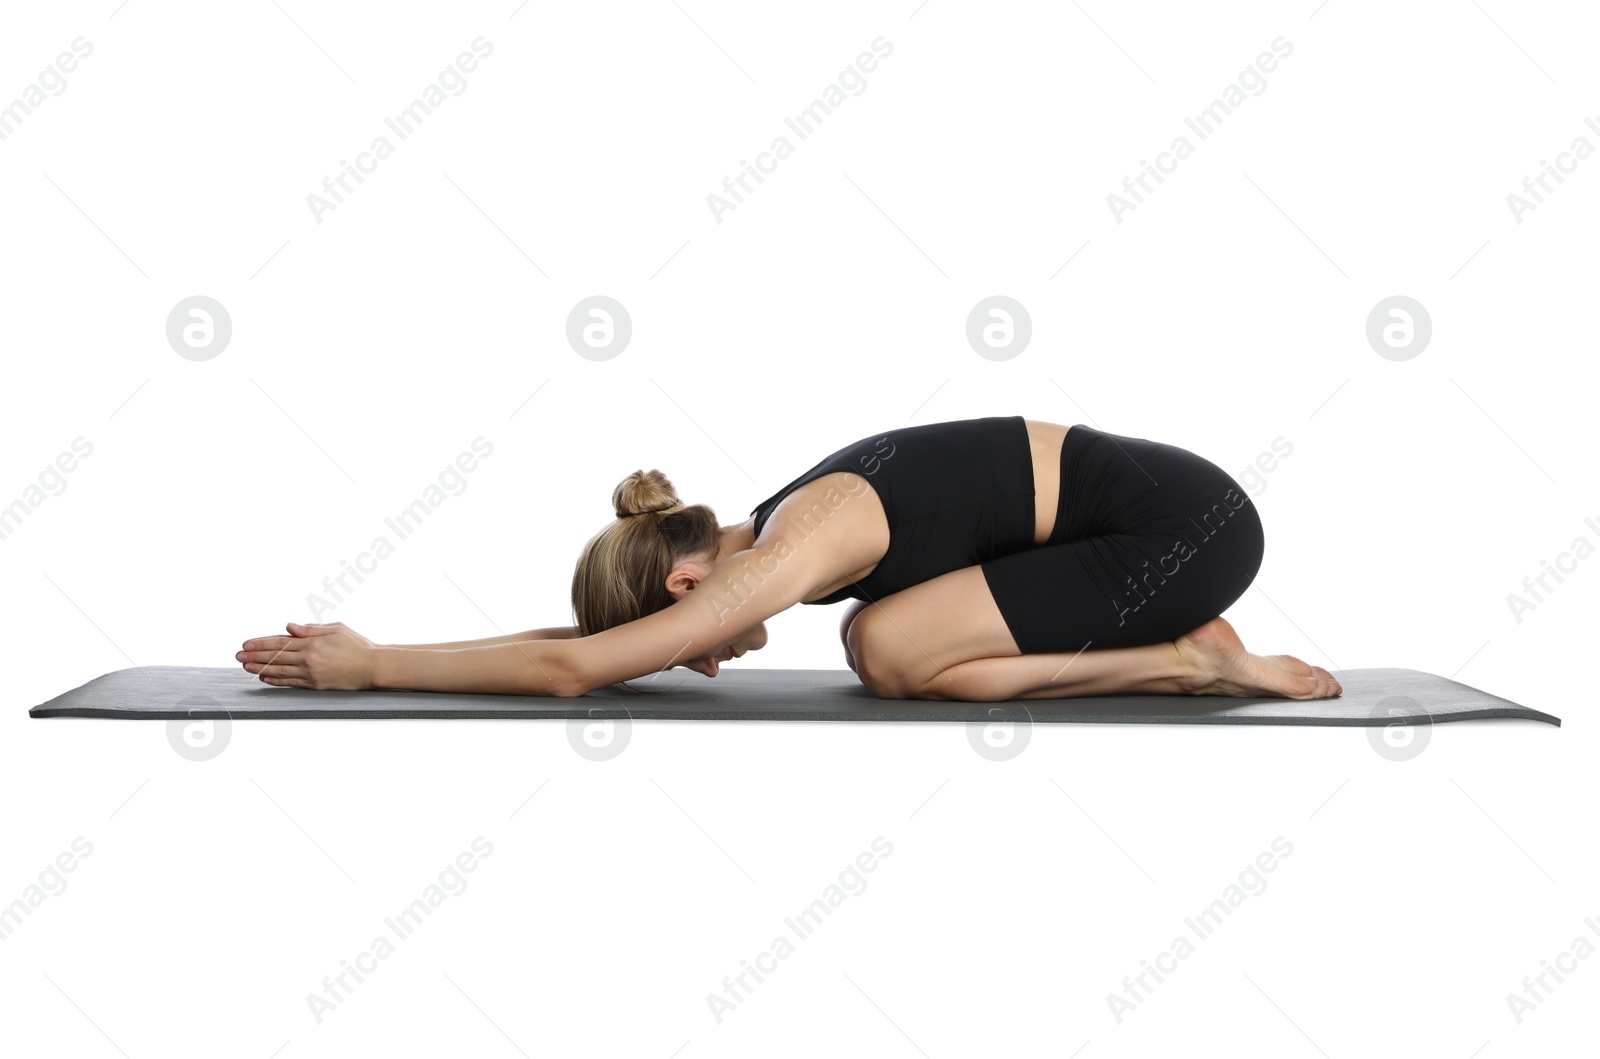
(826, 533)
(831, 504)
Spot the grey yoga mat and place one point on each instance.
(1372, 697)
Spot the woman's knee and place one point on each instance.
(874, 644)
(851, 613)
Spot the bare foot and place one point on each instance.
(1228, 669)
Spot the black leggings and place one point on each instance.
(1150, 541)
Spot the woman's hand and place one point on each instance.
(327, 657)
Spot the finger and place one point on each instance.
(282, 682)
(270, 654)
(312, 630)
(285, 654)
(266, 643)
(277, 671)
(295, 662)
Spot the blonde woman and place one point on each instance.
(988, 559)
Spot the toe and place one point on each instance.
(1296, 666)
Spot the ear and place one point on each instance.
(681, 581)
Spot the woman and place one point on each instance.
(990, 559)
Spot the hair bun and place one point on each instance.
(643, 492)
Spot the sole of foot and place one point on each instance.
(1228, 669)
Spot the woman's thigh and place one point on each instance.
(904, 640)
(1123, 590)
(1151, 542)
(1155, 541)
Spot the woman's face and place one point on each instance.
(708, 663)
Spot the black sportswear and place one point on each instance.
(955, 494)
(1149, 542)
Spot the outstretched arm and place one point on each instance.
(336, 658)
(737, 595)
(559, 632)
(740, 593)
(785, 566)
(532, 667)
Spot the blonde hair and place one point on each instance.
(622, 571)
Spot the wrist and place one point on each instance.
(384, 665)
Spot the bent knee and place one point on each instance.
(878, 651)
(886, 684)
(852, 612)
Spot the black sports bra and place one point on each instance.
(955, 494)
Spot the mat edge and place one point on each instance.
(691, 714)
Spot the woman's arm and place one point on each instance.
(559, 632)
(787, 565)
(334, 657)
(707, 618)
(533, 667)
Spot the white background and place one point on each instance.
(1228, 310)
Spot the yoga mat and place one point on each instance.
(1372, 697)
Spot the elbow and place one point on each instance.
(565, 679)
(562, 684)
(546, 669)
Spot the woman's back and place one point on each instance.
(954, 494)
